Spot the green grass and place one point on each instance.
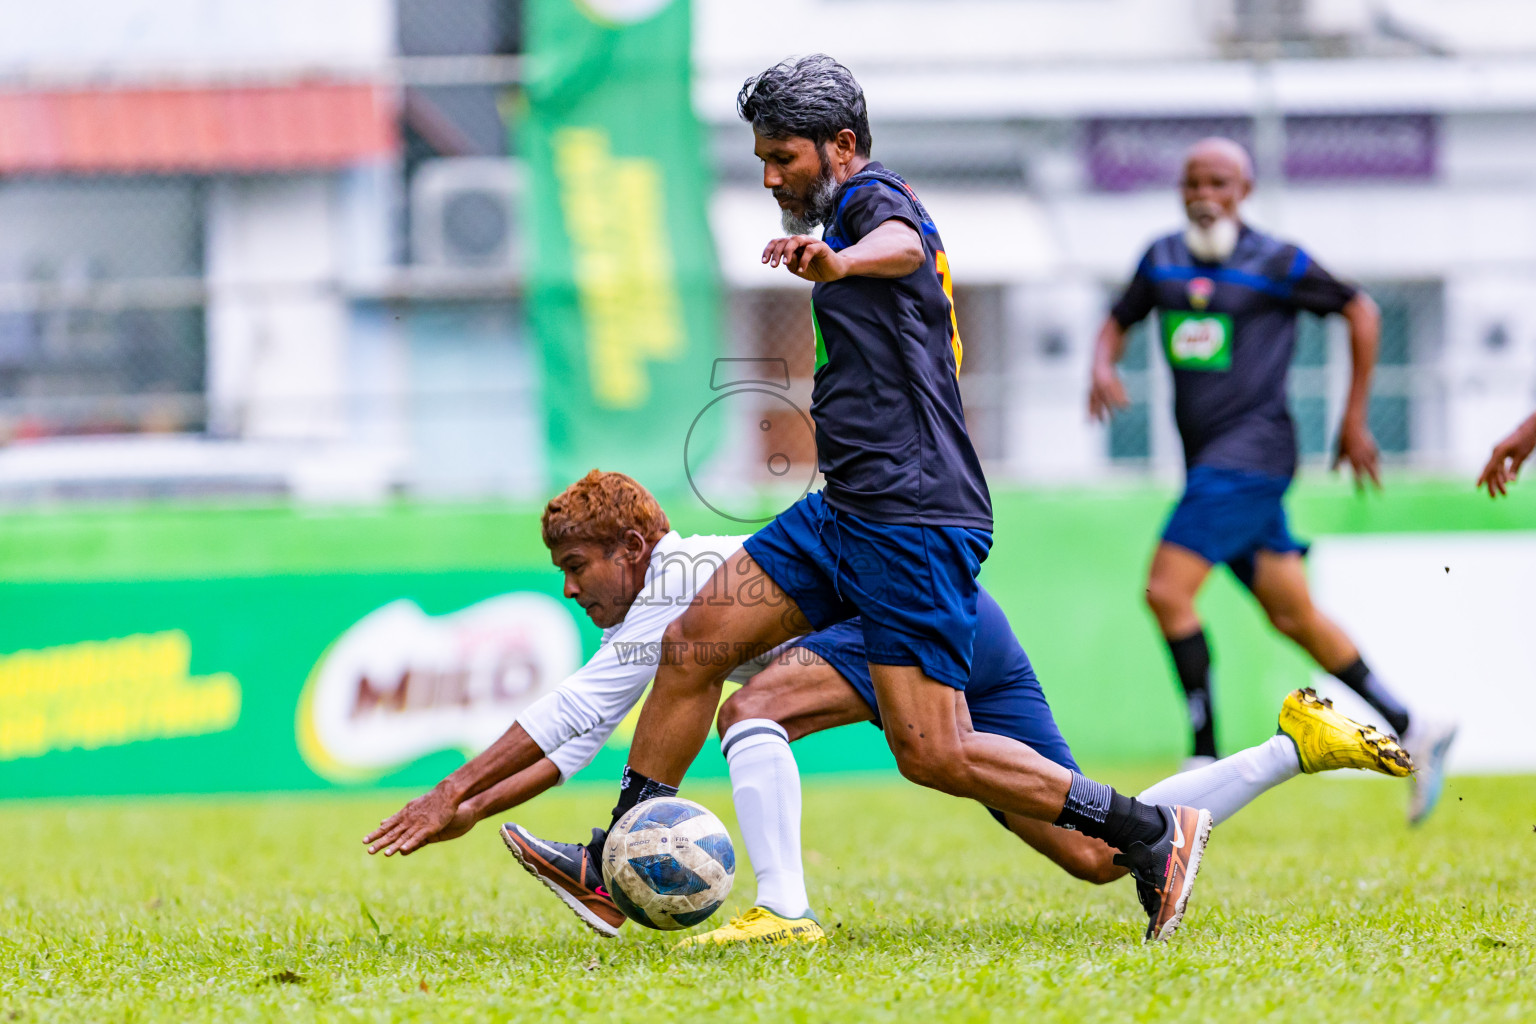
(1315, 904)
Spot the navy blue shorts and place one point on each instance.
(913, 588)
(1227, 516)
(1003, 693)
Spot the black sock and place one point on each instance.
(1364, 682)
(1097, 811)
(1192, 661)
(635, 788)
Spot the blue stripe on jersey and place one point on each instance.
(834, 238)
(1226, 275)
(1298, 267)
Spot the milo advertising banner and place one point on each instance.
(296, 682)
(623, 291)
(210, 650)
(276, 683)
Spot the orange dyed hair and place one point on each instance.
(599, 508)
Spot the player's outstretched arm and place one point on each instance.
(892, 249)
(1507, 458)
(506, 794)
(419, 821)
(1356, 446)
(1106, 392)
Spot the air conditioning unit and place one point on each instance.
(1269, 21)
(466, 213)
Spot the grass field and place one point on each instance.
(1316, 904)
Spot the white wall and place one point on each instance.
(1488, 389)
(195, 38)
(738, 38)
(1465, 26)
(1442, 618)
(276, 319)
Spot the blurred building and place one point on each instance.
(260, 249)
(273, 248)
(1393, 138)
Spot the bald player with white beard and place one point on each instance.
(1227, 299)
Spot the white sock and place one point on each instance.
(1227, 786)
(765, 783)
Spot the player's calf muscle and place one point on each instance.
(1088, 860)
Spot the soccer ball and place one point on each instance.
(669, 863)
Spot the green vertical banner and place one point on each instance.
(623, 283)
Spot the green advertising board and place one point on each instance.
(206, 685)
(170, 650)
(623, 290)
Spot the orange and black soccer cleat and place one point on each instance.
(1165, 871)
(570, 872)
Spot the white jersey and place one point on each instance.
(571, 724)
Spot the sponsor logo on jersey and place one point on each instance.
(400, 684)
(1198, 341)
(1200, 291)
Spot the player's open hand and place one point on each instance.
(1507, 458)
(416, 824)
(1106, 395)
(464, 819)
(1358, 448)
(806, 257)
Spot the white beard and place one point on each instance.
(1213, 244)
(796, 225)
(818, 208)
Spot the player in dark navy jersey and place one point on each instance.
(1227, 299)
(897, 536)
(890, 432)
(825, 682)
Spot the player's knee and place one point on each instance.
(1288, 621)
(1166, 600)
(930, 765)
(738, 707)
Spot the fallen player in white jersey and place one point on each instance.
(633, 576)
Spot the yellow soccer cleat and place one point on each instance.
(1326, 740)
(759, 924)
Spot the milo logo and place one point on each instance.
(400, 684)
(1198, 341)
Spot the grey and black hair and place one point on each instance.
(811, 97)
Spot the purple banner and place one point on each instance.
(1132, 153)
(1371, 146)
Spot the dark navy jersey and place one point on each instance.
(1228, 331)
(890, 432)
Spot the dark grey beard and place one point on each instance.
(818, 206)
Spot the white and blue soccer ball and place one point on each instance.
(669, 863)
